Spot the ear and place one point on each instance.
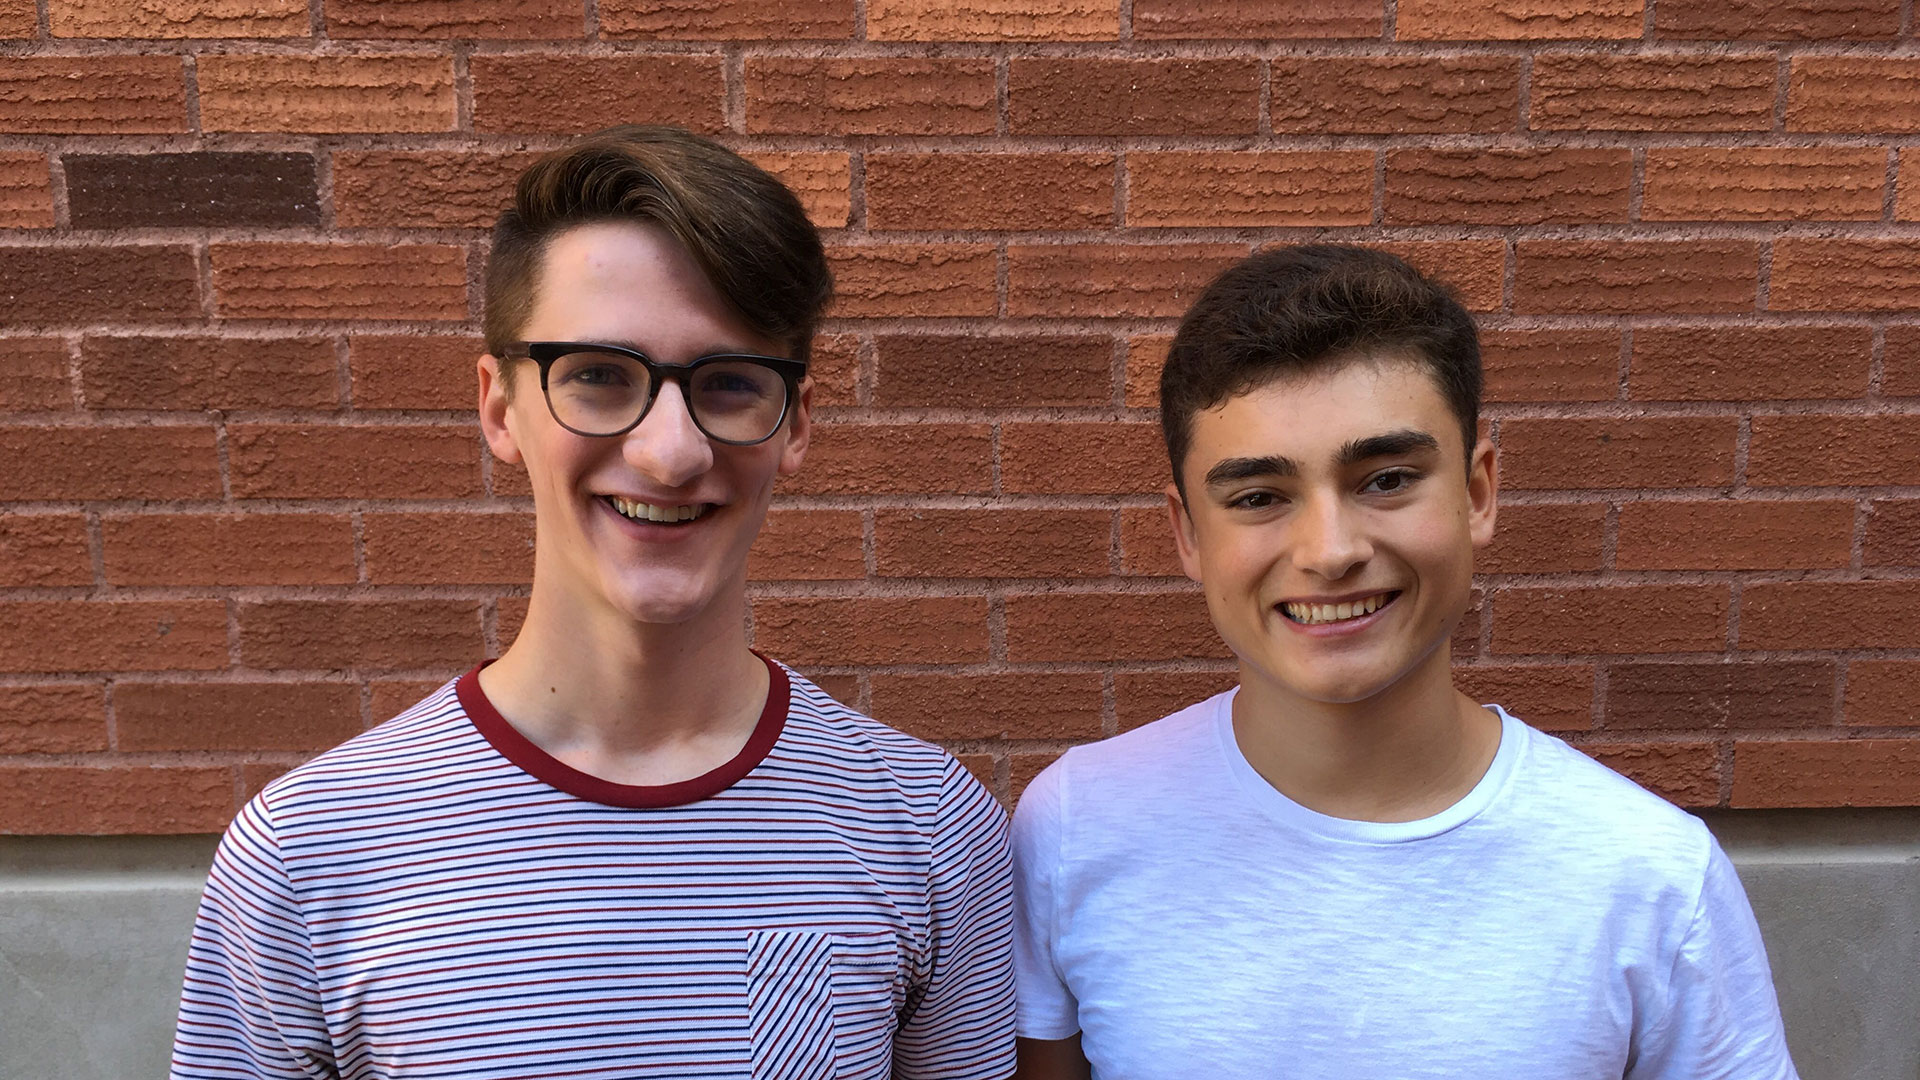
(799, 429)
(1483, 488)
(1184, 540)
(496, 411)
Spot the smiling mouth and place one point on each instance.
(655, 514)
(1321, 614)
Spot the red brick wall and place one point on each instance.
(247, 512)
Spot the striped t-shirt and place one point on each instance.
(440, 898)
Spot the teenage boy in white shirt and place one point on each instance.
(631, 846)
(1345, 868)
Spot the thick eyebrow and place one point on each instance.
(1230, 470)
(1392, 444)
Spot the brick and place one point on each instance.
(113, 635)
(44, 549)
(1900, 374)
(326, 94)
(1551, 697)
(482, 19)
(981, 766)
(1550, 365)
(1744, 695)
(1105, 627)
(844, 689)
(1250, 188)
(973, 371)
(1468, 632)
(1146, 356)
(1475, 270)
(1096, 96)
(208, 373)
(1146, 543)
(1026, 705)
(61, 719)
(108, 191)
(228, 549)
(1854, 94)
(510, 616)
(1722, 534)
(1112, 280)
(822, 181)
(872, 630)
(1545, 538)
(1652, 92)
(727, 20)
(1830, 615)
(1516, 20)
(449, 548)
(1656, 452)
(1812, 274)
(235, 716)
(1393, 95)
(913, 280)
(359, 634)
(119, 284)
(26, 190)
(1140, 698)
(993, 20)
(1002, 543)
(19, 19)
(1749, 363)
(509, 480)
(1906, 196)
(841, 96)
(562, 93)
(423, 189)
(148, 462)
(340, 281)
(809, 545)
(1771, 20)
(391, 697)
(989, 191)
(1622, 277)
(414, 371)
(1684, 773)
(1856, 772)
(178, 19)
(146, 800)
(888, 459)
(93, 95)
(34, 374)
(834, 370)
(364, 461)
(1825, 183)
(1832, 451)
(1611, 619)
(1507, 187)
(1255, 19)
(1893, 533)
(1880, 693)
(1023, 769)
(1083, 458)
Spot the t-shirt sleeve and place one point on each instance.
(1047, 1007)
(961, 1026)
(250, 1006)
(1722, 1021)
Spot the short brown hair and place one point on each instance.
(746, 230)
(1296, 310)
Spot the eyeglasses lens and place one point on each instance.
(602, 393)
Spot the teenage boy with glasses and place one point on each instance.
(631, 846)
(1346, 868)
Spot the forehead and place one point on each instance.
(1309, 417)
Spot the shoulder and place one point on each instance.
(422, 739)
(823, 733)
(1134, 767)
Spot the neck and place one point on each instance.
(1406, 753)
(626, 701)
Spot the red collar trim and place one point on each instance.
(550, 770)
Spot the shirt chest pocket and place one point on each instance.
(822, 1005)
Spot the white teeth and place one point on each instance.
(1314, 614)
(642, 511)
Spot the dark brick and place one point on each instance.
(1743, 694)
(92, 284)
(106, 191)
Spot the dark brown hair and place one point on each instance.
(1296, 310)
(745, 229)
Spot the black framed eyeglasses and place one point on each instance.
(602, 390)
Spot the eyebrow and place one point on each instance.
(1390, 444)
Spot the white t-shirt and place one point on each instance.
(1557, 922)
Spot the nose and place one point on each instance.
(668, 446)
(1329, 541)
